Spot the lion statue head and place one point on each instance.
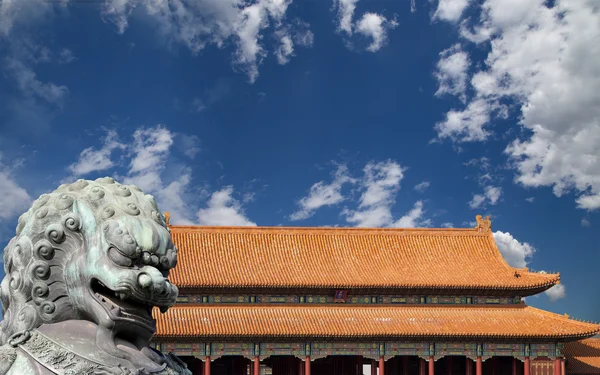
(96, 251)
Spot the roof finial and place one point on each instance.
(484, 225)
(167, 218)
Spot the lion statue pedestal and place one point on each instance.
(88, 264)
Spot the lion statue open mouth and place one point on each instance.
(88, 264)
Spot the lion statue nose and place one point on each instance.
(144, 280)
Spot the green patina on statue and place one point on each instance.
(88, 264)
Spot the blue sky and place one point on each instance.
(310, 113)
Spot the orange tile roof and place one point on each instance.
(215, 321)
(272, 257)
(583, 357)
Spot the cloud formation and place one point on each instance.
(223, 209)
(451, 72)
(373, 26)
(515, 253)
(92, 159)
(200, 23)
(450, 10)
(491, 195)
(422, 186)
(14, 199)
(556, 292)
(322, 194)
(542, 57)
(146, 158)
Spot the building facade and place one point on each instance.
(329, 301)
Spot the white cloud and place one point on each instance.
(302, 34)
(447, 225)
(285, 49)
(491, 195)
(223, 209)
(376, 27)
(322, 194)
(298, 34)
(422, 186)
(148, 155)
(589, 202)
(469, 124)
(91, 159)
(585, 223)
(30, 86)
(450, 10)
(477, 200)
(515, 253)
(556, 292)
(371, 25)
(199, 23)
(14, 199)
(542, 57)
(451, 72)
(172, 198)
(151, 149)
(530, 199)
(413, 6)
(14, 14)
(380, 184)
(414, 218)
(345, 13)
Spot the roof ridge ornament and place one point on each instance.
(167, 218)
(484, 225)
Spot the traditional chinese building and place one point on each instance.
(327, 301)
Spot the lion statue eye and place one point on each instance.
(119, 258)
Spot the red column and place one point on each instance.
(527, 367)
(373, 367)
(207, 366)
(421, 366)
(307, 366)
(562, 367)
(494, 366)
(557, 366)
(256, 368)
(514, 366)
(431, 365)
(300, 366)
(381, 366)
(449, 365)
(405, 365)
(468, 363)
(479, 366)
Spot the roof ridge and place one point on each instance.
(322, 228)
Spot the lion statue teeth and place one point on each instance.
(87, 267)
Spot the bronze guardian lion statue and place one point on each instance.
(88, 264)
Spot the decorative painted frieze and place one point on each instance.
(323, 349)
(351, 299)
(512, 350)
(372, 350)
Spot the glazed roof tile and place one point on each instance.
(583, 357)
(279, 257)
(217, 321)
